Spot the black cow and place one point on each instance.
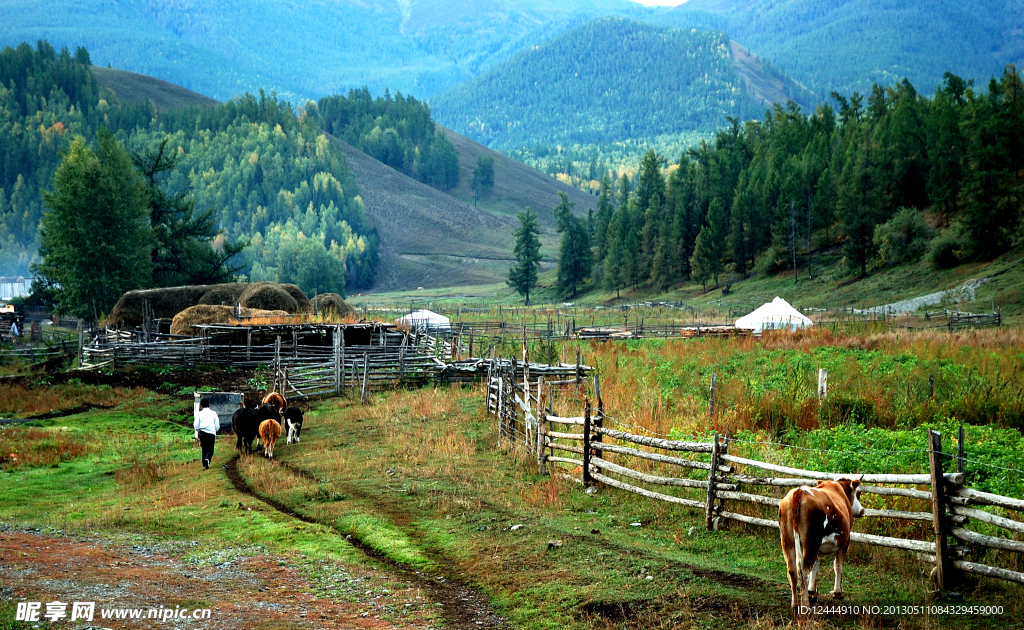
(246, 424)
(293, 423)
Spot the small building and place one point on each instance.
(425, 320)
(775, 315)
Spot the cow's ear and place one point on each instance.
(854, 484)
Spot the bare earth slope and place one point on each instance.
(131, 88)
(516, 185)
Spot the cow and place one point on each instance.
(270, 431)
(815, 523)
(246, 424)
(278, 400)
(268, 412)
(293, 423)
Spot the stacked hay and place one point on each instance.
(332, 303)
(212, 314)
(299, 297)
(167, 303)
(224, 294)
(268, 296)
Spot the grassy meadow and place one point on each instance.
(418, 480)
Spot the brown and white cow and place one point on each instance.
(815, 523)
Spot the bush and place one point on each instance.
(838, 410)
(947, 249)
(903, 238)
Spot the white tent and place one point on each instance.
(775, 315)
(425, 320)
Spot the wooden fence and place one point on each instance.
(721, 483)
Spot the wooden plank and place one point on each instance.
(652, 479)
(646, 493)
(938, 507)
(750, 520)
(894, 543)
(564, 460)
(919, 479)
(988, 517)
(750, 498)
(668, 445)
(992, 542)
(657, 457)
(976, 497)
(565, 436)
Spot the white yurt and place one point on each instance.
(775, 315)
(424, 320)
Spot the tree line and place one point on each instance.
(889, 177)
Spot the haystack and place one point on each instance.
(268, 296)
(332, 303)
(212, 314)
(224, 294)
(166, 303)
(299, 296)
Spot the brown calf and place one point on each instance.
(270, 431)
(815, 523)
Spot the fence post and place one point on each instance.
(938, 508)
(501, 411)
(714, 378)
(401, 365)
(709, 508)
(822, 383)
(338, 362)
(541, 427)
(599, 420)
(295, 344)
(960, 450)
(366, 376)
(587, 481)
(81, 342)
(931, 386)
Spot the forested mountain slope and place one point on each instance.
(847, 45)
(610, 80)
(271, 176)
(301, 50)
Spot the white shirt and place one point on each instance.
(207, 421)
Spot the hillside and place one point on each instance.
(227, 47)
(222, 48)
(131, 87)
(426, 237)
(847, 45)
(611, 80)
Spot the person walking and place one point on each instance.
(206, 426)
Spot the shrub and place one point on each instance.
(903, 238)
(947, 249)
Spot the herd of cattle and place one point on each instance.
(264, 424)
(814, 522)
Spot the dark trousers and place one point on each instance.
(207, 441)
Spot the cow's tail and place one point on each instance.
(794, 519)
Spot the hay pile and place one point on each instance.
(267, 296)
(167, 303)
(212, 314)
(332, 303)
(224, 294)
(299, 297)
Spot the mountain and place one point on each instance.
(610, 80)
(301, 50)
(421, 236)
(847, 45)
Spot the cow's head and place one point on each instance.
(853, 492)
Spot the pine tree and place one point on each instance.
(483, 176)
(603, 217)
(574, 255)
(95, 241)
(523, 277)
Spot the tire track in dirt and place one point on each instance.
(462, 607)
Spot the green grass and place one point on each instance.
(832, 288)
(418, 477)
